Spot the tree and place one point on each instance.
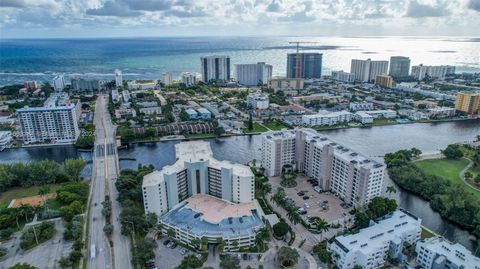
(287, 257)
(280, 229)
(190, 262)
(230, 262)
(72, 168)
(108, 229)
(453, 152)
(22, 266)
(3, 251)
(171, 233)
(250, 122)
(43, 191)
(144, 250)
(184, 115)
(64, 262)
(220, 245)
(468, 175)
(321, 225)
(204, 243)
(391, 189)
(477, 179)
(415, 152)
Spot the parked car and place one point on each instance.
(183, 251)
(306, 197)
(169, 245)
(173, 246)
(300, 193)
(166, 242)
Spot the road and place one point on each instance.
(105, 172)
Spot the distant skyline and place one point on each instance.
(128, 18)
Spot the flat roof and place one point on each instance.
(452, 252)
(207, 215)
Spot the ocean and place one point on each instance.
(147, 58)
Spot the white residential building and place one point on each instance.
(215, 68)
(49, 124)
(115, 96)
(351, 176)
(189, 79)
(58, 83)
(142, 85)
(258, 101)
(167, 78)
(364, 117)
(356, 106)
(368, 70)
(151, 110)
(441, 112)
(286, 84)
(377, 114)
(118, 78)
(343, 76)
(370, 247)
(324, 117)
(438, 253)
(253, 74)
(421, 71)
(5, 139)
(196, 171)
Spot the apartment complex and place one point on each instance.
(438, 253)
(421, 71)
(384, 81)
(58, 83)
(370, 247)
(258, 101)
(189, 79)
(286, 84)
(343, 76)
(80, 84)
(215, 68)
(118, 78)
(324, 117)
(253, 74)
(57, 124)
(468, 102)
(167, 78)
(368, 70)
(304, 65)
(196, 172)
(351, 176)
(399, 66)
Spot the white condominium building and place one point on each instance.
(370, 247)
(58, 83)
(118, 78)
(368, 70)
(438, 253)
(167, 78)
(196, 172)
(421, 71)
(189, 79)
(377, 114)
(324, 117)
(258, 101)
(253, 74)
(351, 176)
(356, 106)
(49, 124)
(215, 68)
(343, 76)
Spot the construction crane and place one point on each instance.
(301, 42)
(297, 58)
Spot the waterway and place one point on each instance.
(373, 141)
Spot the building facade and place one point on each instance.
(356, 106)
(196, 172)
(57, 124)
(368, 70)
(384, 81)
(58, 83)
(252, 74)
(189, 79)
(85, 85)
(304, 65)
(286, 84)
(468, 102)
(215, 68)
(343, 76)
(167, 78)
(118, 78)
(420, 72)
(438, 253)
(258, 101)
(370, 247)
(399, 66)
(324, 117)
(351, 176)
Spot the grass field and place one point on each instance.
(257, 128)
(446, 168)
(276, 125)
(21, 192)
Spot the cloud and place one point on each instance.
(13, 3)
(149, 5)
(113, 8)
(417, 10)
(474, 5)
(273, 7)
(186, 13)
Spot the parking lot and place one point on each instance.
(166, 257)
(324, 205)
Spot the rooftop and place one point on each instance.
(456, 253)
(207, 215)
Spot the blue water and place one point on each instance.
(147, 58)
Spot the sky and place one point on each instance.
(129, 18)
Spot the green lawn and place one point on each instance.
(426, 234)
(211, 135)
(257, 128)
(276, 125)
(446, 168)
(20, 192)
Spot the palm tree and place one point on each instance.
(43, 191)
(196, 243)
(220, 245)
(322, 226)
(391, 189)
(204, 242)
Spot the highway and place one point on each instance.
(105, 172)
